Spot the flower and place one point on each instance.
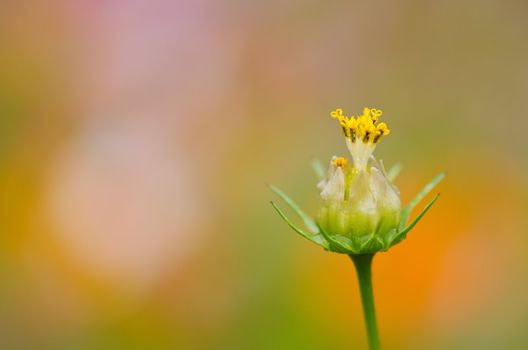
(358, 199)
(360, 211)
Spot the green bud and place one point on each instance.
(358, 202)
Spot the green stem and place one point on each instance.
(363, 263)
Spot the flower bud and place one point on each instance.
(357, 199)
(360, 211)
(357, 202)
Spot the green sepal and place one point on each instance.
(394, 171)
(355, 245)
(316, 238)
(406, 212)
(336, 244)
(403, 233)
(307, 220)
(372, 245)
(390, 237)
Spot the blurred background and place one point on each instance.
(136, 139)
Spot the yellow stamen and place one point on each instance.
(337, 113)
(383, 128)
(375, 114)
(363, 127)
(340, 162)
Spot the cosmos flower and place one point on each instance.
(360, 210)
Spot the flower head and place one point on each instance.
(360, 208)
(358, 200)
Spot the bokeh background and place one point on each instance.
(136, 139)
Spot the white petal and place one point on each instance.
(384, 192)
(329, 174)
(335, 187)
(360, 196)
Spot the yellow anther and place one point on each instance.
(364, 127)
(340, 162)
(351, 123)
(343, 121)
(383, 129)
(361, 130)
(338, 113)
(359, 124)
(370, 133)
(366, 111)
(375, 114)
